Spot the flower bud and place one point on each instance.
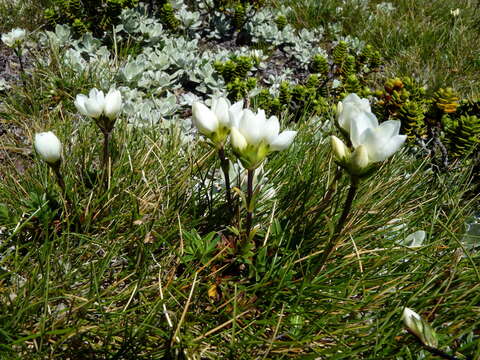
(239, 142)
(419, 328)
(339, 149)
(359, 160)
(48, 147)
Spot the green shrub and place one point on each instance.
(87, 15)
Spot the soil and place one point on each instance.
(15, 146)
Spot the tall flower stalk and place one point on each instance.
(372, 143)
(104, 110)
(14, 39)
(253, 138)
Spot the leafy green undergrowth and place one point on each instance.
(128, 273)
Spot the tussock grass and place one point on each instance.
(419, 38)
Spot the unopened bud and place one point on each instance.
(339, 149)
(419, 328)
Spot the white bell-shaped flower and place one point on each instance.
(48, 147)
(96, 104)
(256, 137)
(354, 109)
(215, 122)
(380, 142)
(371, 142)
(204, 119)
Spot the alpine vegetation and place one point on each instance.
(212, 179)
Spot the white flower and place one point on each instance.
(380, 142)
(48, 147)
(255, 137)
(215, 123)
(14, 37)
(419, 328)
(97, 104)
(372, 142)
(455, 12)
(354, 109)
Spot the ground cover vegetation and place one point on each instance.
(239, 179)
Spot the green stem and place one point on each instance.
(248, 226)
(18, 52)
(441, 353)
(106, 156)
(61, 183)
(225, 167)
(58, 175)
(338, 229)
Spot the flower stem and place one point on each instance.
(225, 167)
(18, 52)
(106, 156)
(248, 225)
(338, 229)
(56, 169)
(58, 175)
(441, 353)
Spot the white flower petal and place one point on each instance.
(283, 141)
(339, 148)
(360, 158)
(80, 104)
(359, 124)
(271, 129)
(220, 107)
(380, 147)
(389, 128)
(239, 142)
(204, 119)
(251, 127)
(113, 104)
(349, 109)
(392, 146)
(235, 113)
(93, 107)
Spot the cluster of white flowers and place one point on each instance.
(97, 104)
(253, 136)
(371, 142)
